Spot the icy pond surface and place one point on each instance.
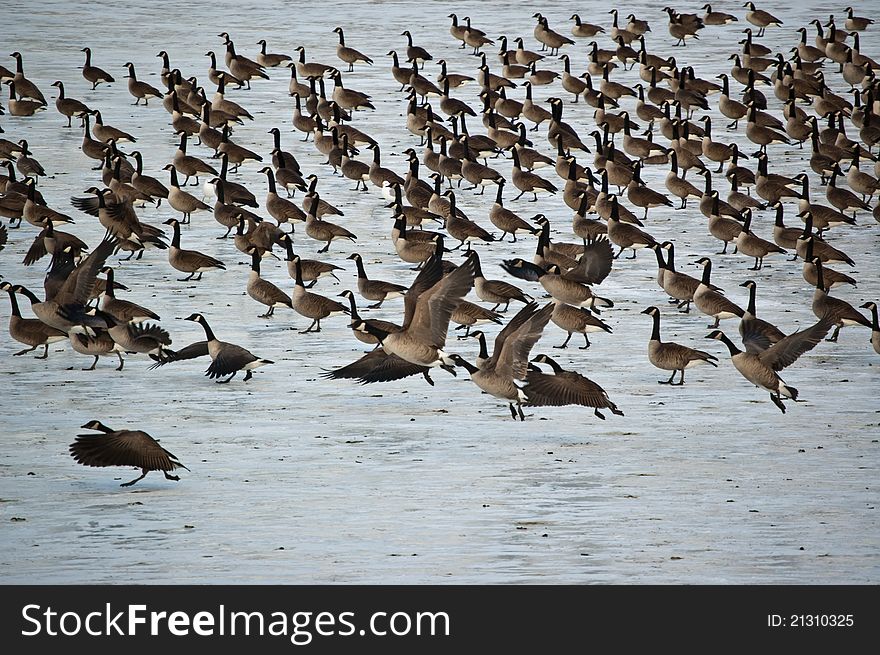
(295, 479)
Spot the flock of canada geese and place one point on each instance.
(817, 95)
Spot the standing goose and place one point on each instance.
(93, 74)
(509, 362)
(679, 286)
(189, 261)
(121, 310)
(30, 331)
(784, 237)
(69, 107)
(641, 195)
(461, 228)
(678, 186)
(226, 358)
(410, 247)
(189, 165)
(711, 302)
(671, 356)
(281, 209)
(625, 235)
(105, 133)
(27, 90)
(349, 98)
(144, 183)
(468, 314)
(534, 112)
(475, 38)
(123, 448)
(321, 230)
(760, 18)
(268, 59)
(495, 291)
(565, 388)
(549, 38)
(843, 199)
(237, 154)
(528, 182)
(263, 291)
(242, 68)
(717, 17)
(723, 228)
(180, 200)
(415, 54)
(750, 245)
(584, 30)
(312, 305)
(139, 89)
(577, 319)
(311, 270)
(347, 54)
(875, 326)
(836, 311)
(379, 175)
(377, 291)
(504, 219)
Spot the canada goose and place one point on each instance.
(577, 319)
(107, 132)
(717, 17)
(348, 98)
(36, 214)
(843, 199)
(322, 230)
(711, 302)
(409, 247)
(455, 79)
(565, 388)
(495, 291)
(226, 358)
(760, 18)
(22, 106)
(65, 309)
(123, 448)
(242, 68)
(479, 175)
(836, 311)
(50, 240)
(429, 304)
(468, 314)
(626, 235)
(504, 219)
(584, 30)
(784, 237)
(231, 112)
(189, 261)
(548, 38)
(671, 356)
(772, 188)
(30, 331)
(761, 369)
(641, 195)
(311, 269)
(856, 24)
(681, 30)
(571, 83)
(875, 326)
(380, 176)
(121, 310)
(189, 165)
(750, 245)
(415, 54)
(528, 182)
(270, 60)
(69, 107)
(144, 183)
(181, 200)
(462, 228)
(533, 112)
(139, 89)
(347, 54)
(641, 148)
(26, 89)
(94, 74)
(375, 290)
(365, 337)
(263, 291)
(281, 209)
(678, 186)
(509, 361)
(237, 154)
(823, 217)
